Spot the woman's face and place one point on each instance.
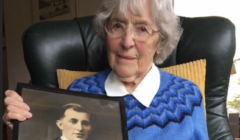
(75, 125)
(129, 57)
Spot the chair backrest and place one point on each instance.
(74, 45)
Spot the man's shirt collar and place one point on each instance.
(144, 92)
(63, 138)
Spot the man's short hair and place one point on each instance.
(76, 107)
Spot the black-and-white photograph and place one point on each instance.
(66, 115)
(53, 8)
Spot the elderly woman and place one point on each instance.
(139, 34)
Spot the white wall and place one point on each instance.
(17, 18)
(225, 8)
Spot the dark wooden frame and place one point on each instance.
(58, 93)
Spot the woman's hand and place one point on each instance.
(16, 109)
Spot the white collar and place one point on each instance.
(144, 92)
(63, 138)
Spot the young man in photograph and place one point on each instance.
(74, 122)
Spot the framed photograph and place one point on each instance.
(54, 10)
(61, 114)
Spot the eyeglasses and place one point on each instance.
(139, 32)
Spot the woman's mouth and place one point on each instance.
(126, 57)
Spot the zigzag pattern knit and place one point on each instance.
(173, 105)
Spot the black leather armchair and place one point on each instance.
(74, 45)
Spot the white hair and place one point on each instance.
(162, 14)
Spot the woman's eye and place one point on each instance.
(117, 25)
(143, 29)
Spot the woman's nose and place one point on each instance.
(127, 39)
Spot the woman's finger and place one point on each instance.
(13, 109)
(19, 104)
(13, 94)
(15, 116)
(8, 116)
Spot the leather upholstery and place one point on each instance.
(74, 45)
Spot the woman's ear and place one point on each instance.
(59, 124)
(158, 52)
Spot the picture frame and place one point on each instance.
(43, 10)
(52, 117)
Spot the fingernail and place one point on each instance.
(27, 107)
(19, 99)
(29, 115)
(6, 92)
(22, 118)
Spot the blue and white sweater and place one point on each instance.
(175, 113)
